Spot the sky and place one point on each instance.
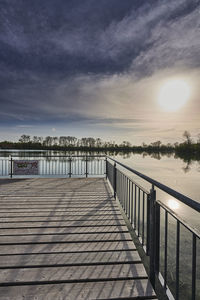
(96, 68)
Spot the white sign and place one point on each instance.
(25, 167)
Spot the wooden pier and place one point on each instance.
(66, 239)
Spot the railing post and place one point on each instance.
(86, 167)
(70, 167)
(152, 237)
(157, 237)
(148, 224)
(106, 161)
(114, 179)
(11, 167)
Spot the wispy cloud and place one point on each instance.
(84, 62)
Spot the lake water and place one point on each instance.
(179, 175)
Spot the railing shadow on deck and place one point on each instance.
(30, 249)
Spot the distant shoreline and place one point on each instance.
(184, 150)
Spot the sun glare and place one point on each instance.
(173, 95)
(173, 204)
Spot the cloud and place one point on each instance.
(98, 63)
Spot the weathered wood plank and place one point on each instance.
(57, 212)
(81, 291)
(62, 217)
(60, 230)
(70, 247)
(60, 221)
(59, 204)
(73, 273)
(60, 208)
(65, 238)
(69, 259)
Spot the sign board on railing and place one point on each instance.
(25, 167)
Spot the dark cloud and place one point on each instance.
(54, 53)
(70, 37)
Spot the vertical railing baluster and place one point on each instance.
(106, 162)
(177, 257)
(148, 224)
(11, 167)
(129, 200)
(86, 167)
(114, 180)
(70, 167)
(165, 252)
(138, 212)
(194, 255)
(132, 204)
(126, 195)
(124, 204)
(124, 192)
(143, 208)
(152, 236)
(121, 187)
(157, 237)
(135, 206)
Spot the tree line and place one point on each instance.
(90, 143)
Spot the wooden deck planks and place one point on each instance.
(103, 246)
(68, 259)
(65, 230)
(130, 289)
(66, 239)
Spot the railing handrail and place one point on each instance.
(35, 156)
(181, 220)
(186, 200)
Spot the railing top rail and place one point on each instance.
(177, 217)
(138, 185)
(186, 200)
(71, 156)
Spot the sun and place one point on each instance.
(174, 94)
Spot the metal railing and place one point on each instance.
(66, 166)
(149, 218)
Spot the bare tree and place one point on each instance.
(55, 140)
(35, 139)
(156, 144)
(98, 142)
(198, 138)
(48, 141)
(25, 138)
(187, 136)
